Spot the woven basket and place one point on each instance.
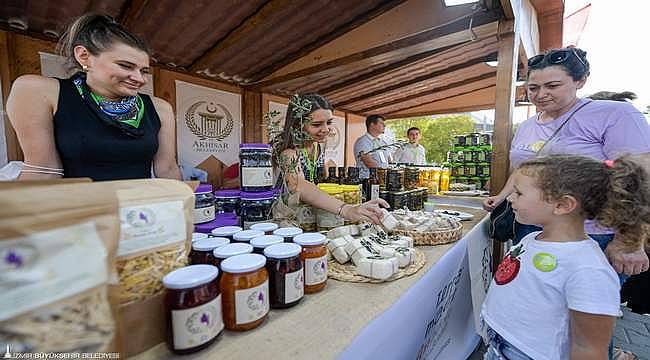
(438, 237)
(347, 272)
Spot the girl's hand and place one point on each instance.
(625, 260)
(368, 211)
(492, 202)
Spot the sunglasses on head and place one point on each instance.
(555, 57)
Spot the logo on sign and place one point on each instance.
(209, 121)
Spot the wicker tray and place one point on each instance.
(434, 237)
(347, 272)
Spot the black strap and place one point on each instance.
(560, 127)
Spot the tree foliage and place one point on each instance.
(437, 132)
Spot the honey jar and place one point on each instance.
(314, 257)
(245, 291)
(193, 307)
(286, 278)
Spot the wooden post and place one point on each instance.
(252, 117)
(504, 106)
(7, 74)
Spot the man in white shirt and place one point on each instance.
(371, 140)
(413, 152)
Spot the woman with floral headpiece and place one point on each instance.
(297, 155)
(94, 124)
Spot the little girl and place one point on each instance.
(555, 295)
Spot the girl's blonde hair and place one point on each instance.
(617, 195)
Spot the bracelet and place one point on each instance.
(340, 209)
(41, 167)
(42, 172)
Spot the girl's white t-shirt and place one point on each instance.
(532, 311)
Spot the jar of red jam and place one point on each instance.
(226, 231)
(247, 235)
(286, 277)
(202, 250)
(262, 242)
(232, 249)
(267, 227)
(288, 233)
(193, 306)
(314, 257)
(245, 290)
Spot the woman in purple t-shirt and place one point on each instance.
(600, 129)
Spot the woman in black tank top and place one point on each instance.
(95, 124)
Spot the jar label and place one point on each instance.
(203, 215)
(257, 176)
(251, 304)
(47, 266)
(305, 215)
(294, 286)
(374, 192)
(198, 325)
(149, 226)
(315, 270)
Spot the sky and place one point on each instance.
(615, 38)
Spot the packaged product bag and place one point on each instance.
(155, 239)
(57, 246)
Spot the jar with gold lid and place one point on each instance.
(286, 277)
(314, 256)
(193, 308)
(245, 291)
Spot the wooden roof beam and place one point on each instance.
(429, 92)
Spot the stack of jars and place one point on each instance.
(403, 187)
(256, 184)
(235, 284)
(470, 160)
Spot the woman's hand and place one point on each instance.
(368, 211)
(492, 202)
(625, 260)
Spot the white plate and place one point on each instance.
(463, 216)
(464, 193)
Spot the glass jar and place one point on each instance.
(262, 242)
(411, 177)
(255, 167)
(288, 233)
(326, 220)
(444, 179)
(384, 195)
(381, 176)
(314, 256)
(470, 170)
(394, 179)
(198, 236)
(226, 201)
(398, 200)
(474, 139)
(306, 217)
(203, 204)
(232, 249)
(459, 140)
(412, 199)
(245, 291)
(267, 228)
(483, 170)
(256, 207)
(286, 276)
(351, 196)
(226, 231)
(193, 308)
(202, 250)
(486, 139)
(246, 236)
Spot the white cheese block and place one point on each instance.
(377, 267)
(357, 250)
(342, 231)
(388, 221)
(337, 249)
